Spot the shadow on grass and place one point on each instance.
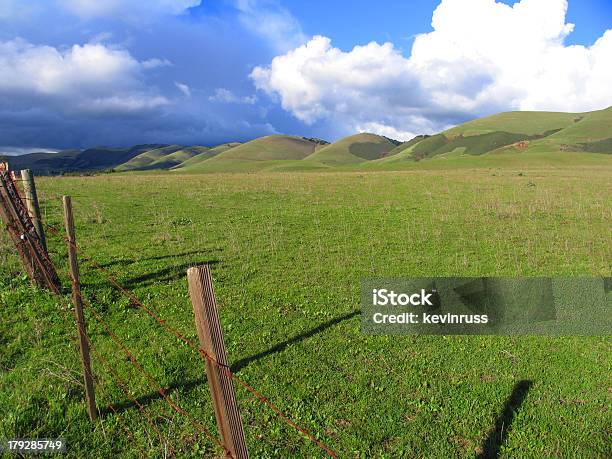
(168, 274)
(189, 385)
(499, 432)
(131, 261)
(171, 273)
(236, 367)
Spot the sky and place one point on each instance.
(83, 73)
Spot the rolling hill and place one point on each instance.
(517, 132)
(354, 149)
(549, 135)
(406, 145)
(528, 123)
(590, 132)
(145, 159)
(271, 148)
(91, 159)
(252, 154)
(206, 154)
(177, 158)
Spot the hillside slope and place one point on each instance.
(547, 134)
(146, 158)
(354, 149)
(591, 133)
(271, 148)
(177, 158)
(527, 123)
(247, 155)
(91, 159)
(206, 155)
(517, 132)
(44, 163)
(402, 147)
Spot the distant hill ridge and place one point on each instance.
(500, 134)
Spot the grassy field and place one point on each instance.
(287, 252)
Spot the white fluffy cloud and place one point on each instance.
(481, 57)
(91, 77)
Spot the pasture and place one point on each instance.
(287, 252)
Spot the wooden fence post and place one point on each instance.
(29, 189)
(16, 218)
(78, 310)
(219, 381)
(12, 225)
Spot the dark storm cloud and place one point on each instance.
(110, 80)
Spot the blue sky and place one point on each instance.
(79, 73)
(352, 22)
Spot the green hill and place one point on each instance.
(517, 132)
(248, 155)
(270, 148)
(206, 155)
(177, 158)
(145, 159)
(354, 150)
(91, 159)
(526, 135)
(402, 147)
(44, 163)
(527, 123)
(591, 132)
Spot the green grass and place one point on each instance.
(287, 252)
(245, 165)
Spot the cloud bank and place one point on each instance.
(89, 78)
(481, 57)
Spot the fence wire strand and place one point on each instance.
(98, 385)
(111, 279)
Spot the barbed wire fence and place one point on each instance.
(229, 425)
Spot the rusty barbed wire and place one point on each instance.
(195, 347)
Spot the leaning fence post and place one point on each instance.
(12, 225)
(78, 309)
(217, 370)
(29, 188)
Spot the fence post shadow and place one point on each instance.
(236, 367)
(189, 385)
(499, 433)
